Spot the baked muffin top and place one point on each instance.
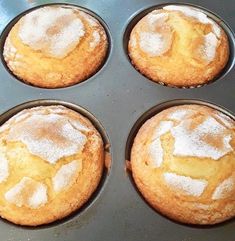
(179, 46)
(184, 156)
(62, 45)
(46, 154)
(56, 31)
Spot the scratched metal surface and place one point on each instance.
(117, 96)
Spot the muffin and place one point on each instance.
(178, 46)
(55, 46)
(51, 161)
(183, 163)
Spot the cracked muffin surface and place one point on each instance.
(183, 163)
(55, 46)
(51, 161)
(178, 46)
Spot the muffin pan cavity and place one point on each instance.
(228, 31)
(107, 149)
(170, 121)
(52, 48)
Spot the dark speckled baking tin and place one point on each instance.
(117, 96)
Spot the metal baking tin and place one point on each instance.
(117, 95)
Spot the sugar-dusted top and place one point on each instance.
(196, 14)
(55, 30)
(65, 175)
(157, 38)
(46, 133)
(207, 137)
(224, 189)
(27, 192)
(155, 148)
(188, 185)
(157, 31)
(189, 149)
(4, 167)
(201, 141)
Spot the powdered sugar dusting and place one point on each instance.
(194, 13)
(190, 186)
(156, 18)
(39, 196)
(156, 152)
(225, 120)
(216, 28)
(191, 143)
(62, 44)
(9, 50)
(188, 11)
(47, 29)
(209, 47)
(179, 114)
(164, 127)
(4, 127)
(58, 109)
(153, 43)
(77, 125)
(96, 39)
(224, 189)
(27, 192)
(4, 169)
(155, 148)
(50, 137)
(91, 20)
(65, 175)
(157, 40)
(20, 116)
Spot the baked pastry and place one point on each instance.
(178, 46)
(183, 163)
(51, 161)
(55, 46)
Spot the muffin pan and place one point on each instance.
(117, 95)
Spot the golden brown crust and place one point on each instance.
(182, 65)
(173, 202)
(71, 198)
(36, 68)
